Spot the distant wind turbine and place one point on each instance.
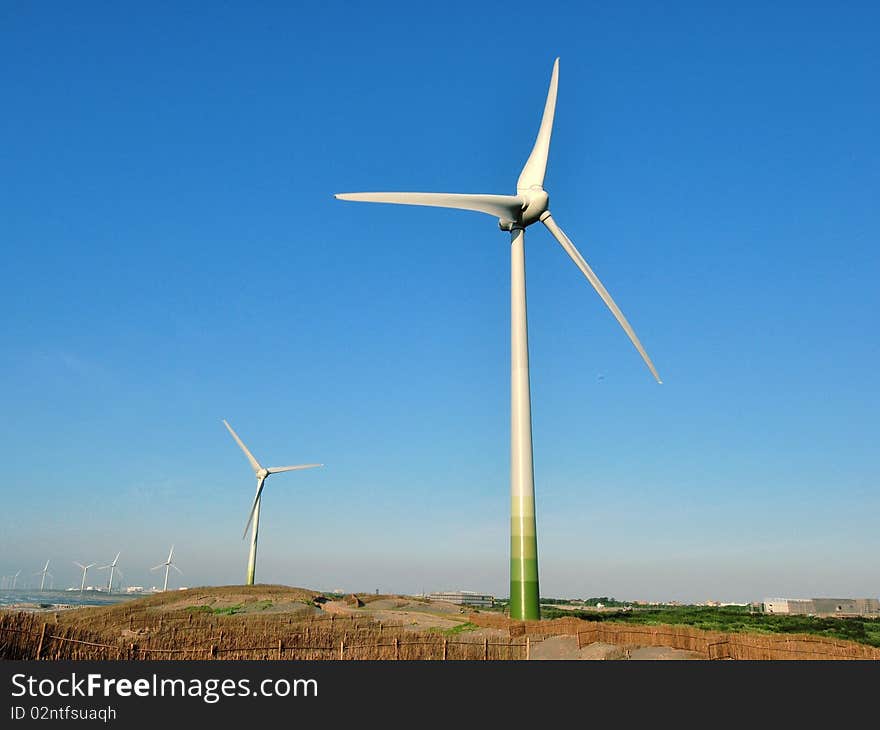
(113, 568)
(15, 578)
(254, 515)
(167, 564)
(515, 213)
(85, 569)
(43, 573)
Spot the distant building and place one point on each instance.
(134, 589)
(463, 598)
(868, 607)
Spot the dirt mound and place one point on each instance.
(216, 600)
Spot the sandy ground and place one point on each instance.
(412, 615)
(565, 647)
(664, 652)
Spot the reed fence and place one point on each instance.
(31, 636)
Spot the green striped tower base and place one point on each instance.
(523, 560)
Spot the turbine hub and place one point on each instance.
(262, 474)
(536, 202)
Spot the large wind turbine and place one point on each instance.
(43, 573)
(254, 516)
(112, 567)
(167, 565)
(515, 214)
(85, 569)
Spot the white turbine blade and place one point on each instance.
(536, 165)
(116, 559)
(254, 507)
(171, 554)
(103, 567)
(156, 567)
(90, 565)
(501, 206)
(79, 565)
(255, 465)
(177, 569)
(597, 285)
(279, 469)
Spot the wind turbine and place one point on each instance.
(85, 569)
(43, 573)
(515, 213)
(167, 564)
(15, 578)
(112, 567)
(262, 474)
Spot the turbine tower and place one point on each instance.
(85, 569)
(515, 213)
(43, 573)
(262, 474)
(113, 568)
(167, 565)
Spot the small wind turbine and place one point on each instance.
(43, 573)
(254, 516)
(85, 569)
(112, 567)
(515, 213)
(167, 564)
(15, 579)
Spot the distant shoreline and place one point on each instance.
(47, 601)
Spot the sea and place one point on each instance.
(28, 599)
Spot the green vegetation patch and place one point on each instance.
(454, 630)
(228, 610)
(733, 619)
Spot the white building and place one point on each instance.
(869, 607)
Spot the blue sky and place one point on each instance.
(173, 255)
